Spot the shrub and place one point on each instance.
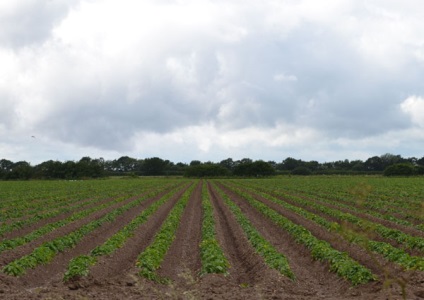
(399, 170)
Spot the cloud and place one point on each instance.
(413, 106)
(28, 22)
(219, 77)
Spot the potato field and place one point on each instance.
(312, 237)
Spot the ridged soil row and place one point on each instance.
(313, 279)
(246, 267)
(377, 264)
(182, 261)
(120, 266)
(53, 272)
(365, 217)
(10, 255)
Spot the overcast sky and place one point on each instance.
(207, 80)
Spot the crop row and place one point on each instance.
(411, 242)
(47, 251)
(263, 247)
(342, 204)
(8, 244)
(79, 266)
(151, 258)
(110, 192)
(388, 251)
(339, 262)
(385, 196)
(211, 254)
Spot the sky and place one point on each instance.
(208, 80)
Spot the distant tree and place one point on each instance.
(87, 167)
(342, 165)
(301, 171)
(391, 159)
(5, 167)
(20, 170)
(357, 166)
(195, 163)
(177, 169)
(258, 168)
(262, 168)
(125, 164)
(154, 166)
(419, 170)
(312, 165)
(290, 163)
(374, 163)
(206, 170)
(228, 164)
(402, 169)
(50, 170)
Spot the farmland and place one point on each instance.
(277, 238)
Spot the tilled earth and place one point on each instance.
(115, 276)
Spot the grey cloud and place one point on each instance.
(30, 22)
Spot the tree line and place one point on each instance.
(86, 167)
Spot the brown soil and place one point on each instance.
(115, 276)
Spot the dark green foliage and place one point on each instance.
(301, 171)
(206, 170)
(258, 168)
(87, 167)
(403, 169)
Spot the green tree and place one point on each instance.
(154, 166)
(402, 169)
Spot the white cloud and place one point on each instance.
(414, 107)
